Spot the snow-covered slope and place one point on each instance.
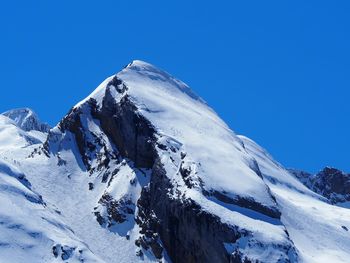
(318, 229)
(13, 137)
(144, 170)
(31, 231)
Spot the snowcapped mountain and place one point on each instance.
(27, 120)
(144, 170)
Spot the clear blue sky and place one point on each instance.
(276, 71)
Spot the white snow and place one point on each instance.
(12, 137)
(28, 228)
(315, 226)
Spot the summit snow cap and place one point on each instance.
(146, 73)
(148, 70)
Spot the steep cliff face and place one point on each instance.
(333, 184)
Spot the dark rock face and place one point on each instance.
(248, 203)
(72, 123)
(65, 252)
(117, 210)
(332, 184)
(130, 132)
(130, 135)
(188, 233)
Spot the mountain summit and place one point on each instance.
(27, 120)
(144, 170)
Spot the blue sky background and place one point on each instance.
(276, 71)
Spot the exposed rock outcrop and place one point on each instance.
(331, 183)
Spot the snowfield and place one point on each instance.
(30, 229)
(318, 229)
(70, 194)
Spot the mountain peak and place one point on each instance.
(139, 63)
(330, 170)
(26, 119)
(144, 71)
(144, 80)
